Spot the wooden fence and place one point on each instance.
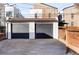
(70, 37)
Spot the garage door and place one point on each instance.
(20, 30)
(44, 31)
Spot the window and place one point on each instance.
(35, 15)
(49, 15)
(72, 15)
(9, 14)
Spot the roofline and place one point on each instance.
(49, 5)
(67, 7)
(32, 20)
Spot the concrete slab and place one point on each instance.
(32, 47)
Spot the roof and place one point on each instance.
(32, 20)
(49, 5)
(68, 7)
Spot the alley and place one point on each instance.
(32, 47)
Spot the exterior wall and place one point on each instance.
(32, 13)
(68, 16)
(46, 10)
(76, 21)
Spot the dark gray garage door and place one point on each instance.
(20, 30)
(43, 31)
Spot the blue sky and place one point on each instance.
(24, 8)
(28, 6)
(60, 6)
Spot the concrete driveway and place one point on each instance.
(32, 47)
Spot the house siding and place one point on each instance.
(46, 10)
(68, 15)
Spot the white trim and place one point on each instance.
(9, 31)
(31, 30)
(55, 30)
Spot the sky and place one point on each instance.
(24, 8)
(60, 6)
(28, 6)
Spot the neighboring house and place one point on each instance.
(42, 21)
(7, 11)
(12, 11)
(71, 15)
(35, 13)
(47, 10)
(2, 14)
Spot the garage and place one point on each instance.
(31, 28)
